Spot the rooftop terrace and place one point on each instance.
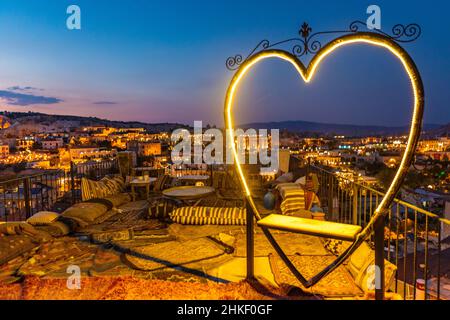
(148, 248)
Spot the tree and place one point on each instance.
(374, 168)
(415, 179)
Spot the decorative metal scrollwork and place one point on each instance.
(308, 44)
(400, 33)
(233, 61)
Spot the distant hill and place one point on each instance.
(442, 131)
(23, 122)
(334, 129)
(36, 122)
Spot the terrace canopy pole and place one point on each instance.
(304, 45)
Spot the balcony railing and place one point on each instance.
(22, 197)
(177, 171)
(412, 238)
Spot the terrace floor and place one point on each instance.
(149, 259)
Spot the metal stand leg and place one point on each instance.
(379, 259)
(250, 243)
(133, 193)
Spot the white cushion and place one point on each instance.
(287, 177)
(301, 180)
(42, 218)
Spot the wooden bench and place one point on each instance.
(325, 229)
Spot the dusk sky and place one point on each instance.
(164, 61)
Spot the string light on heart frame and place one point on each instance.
(308, 45)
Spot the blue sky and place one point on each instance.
(161, 61)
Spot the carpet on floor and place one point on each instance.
(189, 232)
(192, 255)
(338, 283)
(291, 244)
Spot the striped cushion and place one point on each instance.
(119, 181)
(91, 189)
(161, 182)
(291, 190)
(99, 189)
(86, 193)
(295, 198)
(209, 215)
(107, 186)
(112, 185)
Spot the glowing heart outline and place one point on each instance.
(307, 74)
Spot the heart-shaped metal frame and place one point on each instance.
(307, 74)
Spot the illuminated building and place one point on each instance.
(438, 155)
(4, 150)
(438, 145)
(145, 148)
(371, 140)
(52, 144)
(87, 152)
(25, 143)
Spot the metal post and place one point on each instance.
(72, 180)
(379, 259)
(330, 196)
(27, 197)
(439, 261)
(250, 243)
(355, 205)
(308, 167)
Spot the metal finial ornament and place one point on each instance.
(308, 43)
(304, 33)
(305, 30)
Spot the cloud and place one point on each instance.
(27, 88)
(105, 102)
(25, 99)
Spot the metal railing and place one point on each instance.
(412, 237)
(22, 197)
(95, 169)
(177, 171)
